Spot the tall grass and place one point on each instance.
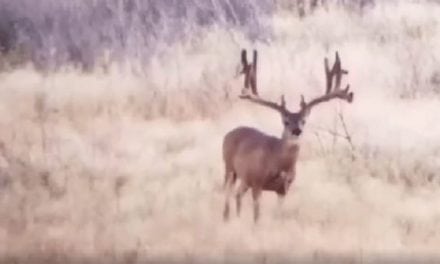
(122, 164)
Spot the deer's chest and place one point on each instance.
(283, 163)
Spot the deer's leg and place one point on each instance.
(256, 194)
(240, 192)
(280, 200)
(229, 183)
(279, 210)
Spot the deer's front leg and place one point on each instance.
(256, 194)
(288, 178)
(229, 185)
(240, 192)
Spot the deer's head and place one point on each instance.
(294, 122)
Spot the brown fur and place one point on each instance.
(245, 145)
(262, 162)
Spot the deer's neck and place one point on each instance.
(289, 153)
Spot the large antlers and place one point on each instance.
(334, 74)
(333, 85)
(250, 82)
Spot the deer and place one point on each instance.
(263, 162)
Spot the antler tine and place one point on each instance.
(254, 75)
(246, 70)
(332, 91)
(328, 76)
(338, 72)
(283, 101)
(244, 61)
(254, 61)
(250, 71)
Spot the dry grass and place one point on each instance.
(126, 169)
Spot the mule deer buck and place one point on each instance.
(266, 163)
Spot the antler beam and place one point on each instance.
(250, 72)
(333, 85)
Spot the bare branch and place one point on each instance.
(347, 135)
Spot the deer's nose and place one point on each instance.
(296, 131)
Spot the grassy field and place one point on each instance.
(118, 166)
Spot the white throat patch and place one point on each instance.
(292, 140)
